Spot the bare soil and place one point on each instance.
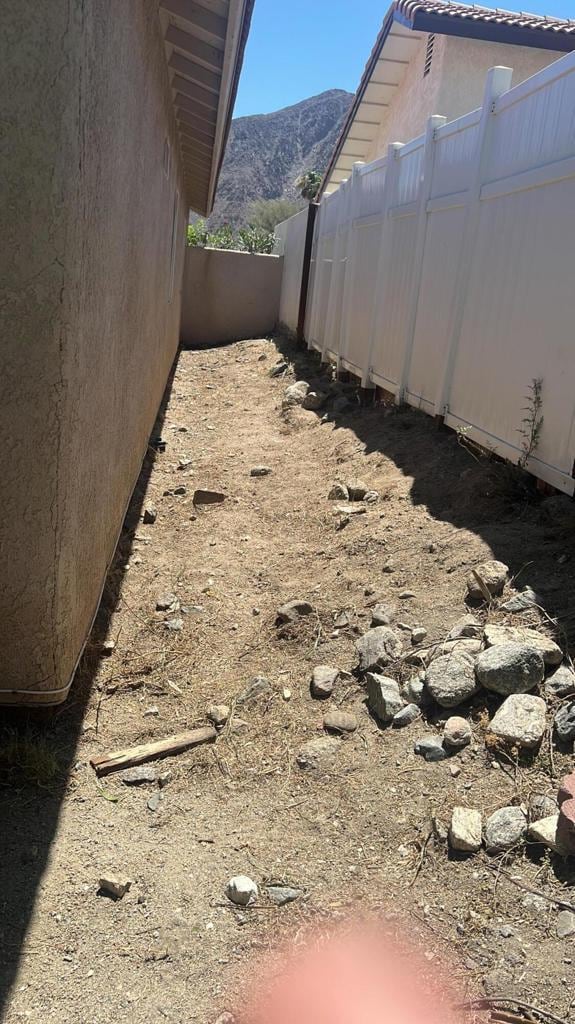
(355, 836)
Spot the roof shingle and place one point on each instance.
(476, 12)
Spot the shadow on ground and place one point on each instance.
(37, 756)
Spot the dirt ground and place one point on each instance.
(355, 836)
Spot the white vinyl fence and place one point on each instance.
(290, 243)
(445, 271)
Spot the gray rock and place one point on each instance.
(564, 722)
(255, 689)
(561, 683)
(218, 714)
(238, 725)
(371, 497)
(383, 615)
(505, 828)
(294, 394)
(260, 471)
(509, 668)
(154, 801)
(318, 753)
(494, 576)
(541, 806)
(292, 610)
(463, 647)
(357, 490)
(278, 369)
(383, 697)
(142, 773)
(339, 721)
(174, 625)
(465, 830)
(520, 720)
(430, 748)
(338, 492)
(410, 713)
(166, 602)
(418, 634)
(450, 679)
(467, 626)
(282, 894)
(378, 648)
(549, 650)
(242, 890)
(150, 514)
(457, 733)
(182, 489)
(205, 497)
(313, 400)
(565, 924)
(413, 690)
(113, 885)
(323, 680)
(521, 602)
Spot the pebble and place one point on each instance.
(430, 748)
(450, 679)
(150, 514)
(294, 394)
(521, 602)
(108, 647)
(260, 471)
(154, 801)
(564, 722)
(418, 635)
(357, 490)
(142, 773)
(504, 829)
(184, 463)
(509, 668)
(218, 714)
(313, 400)
(182, 489)
(565, 924)
(377, 648)
(323, 680)
(318, 753)
(241, 890)
(114, 886)
(205, 497)
(292, 610)
(520, 720)
(467, 626)
(238, 725)
(151, 712)
(340, 721)
(383, 697)
(413, 690)
(383, 615)
(278, 369)
(406, 595)
(541, 806)
(465, 830)
(371, 497)
(338, 492)
(494, 576)
(256, 688)
(545, 831)
(175, 625)
(457, 732)
(282, 894)
(549, 650)
(561, 683)
(406, 716)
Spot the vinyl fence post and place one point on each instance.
(331, 326)
(311, 215)
(351, 259)
(425, 189)
(498, 81)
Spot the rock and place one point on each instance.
(463, 647)
(494, 576)
(566, 826)
(255, 689)
(313, 400)
(238, 725)
(204, 497)
(282, 894)
(294, 394)
(418, 635)
(497, 982)
(541, 806)
(114, 886)
(165, 602)
(413, 690)
(342, 620)
(241, 890)
(323, 681)
(357, 490)
(182, 489)
(450, 679)
(371, 497)
(565, 924)
(339, 492)
(174, 625)
(564, 722)
(509, 668)
(383, 615)
(383, 697)
(184, 463)
(218, 714)
(151, 712)
(154, 801)
(292, 610)
(549, 650)
(108, 647)
(520, 720)
(465, 830)
(349, 510)
(225, 1018)
(467, 626)
(377, 648)
(457, 733)
(150, 514)
(561, 683)
(406, 595)
(340, 721)
(318, 753)
(278, 369)
(521, 602)
(142, 773)
(504, 829)
(545, 831)
(406, 716)
(260, 471)
(430, 748)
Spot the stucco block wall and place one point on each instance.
(229, 295)
(88, 326)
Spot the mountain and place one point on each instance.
(267, 152)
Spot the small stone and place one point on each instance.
(204, 497)
(342, 620)
(323, 681)
(142, 773)
(440, 829)
(413, 690)
(349, 510)
(545, 831)
(292, 610)
(504, 829)
(294, 394)
(218, 714)
(406, 595)
(150, 514)
(108, 647)
(338, 492)
(521, 602)
(467, 626)
(174, 625)
(182, 489)
(114, 886)
(457, 732)
(278, 369)
(164, 778)
(357, 490)
(455, 770)
(242, 891)
(340, 721)
(430, 748)
(184, 463)
(154, 801)
(561, 683)
(318, 753)
(313, 400)
(450, 679)
(465, 830)
(383, 615)
(494, 576)
(377, 648)
(165, 602)
(238, 725)
(541, 806)
(565, 924)
(286, 693)
(564, 722)
(152, 712)
(549, 650)
(282, 894)
(520, 720)
(509, 668)
(463, 647)
(383, 697)
(410, 713)
(260, 471)
(256, 688)
(371, 497)
(418, 635)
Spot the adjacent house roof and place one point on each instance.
(204, 42)
(405, 24)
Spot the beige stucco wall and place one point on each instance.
(229, 295)
(88, 330)
(454, 85)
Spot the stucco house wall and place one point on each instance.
(89, 310)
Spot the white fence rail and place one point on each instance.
(445, 271)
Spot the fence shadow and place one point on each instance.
(30, 801)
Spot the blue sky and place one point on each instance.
(298, 48)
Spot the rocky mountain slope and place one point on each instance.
(267, 152)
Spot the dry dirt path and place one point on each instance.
(353, 835)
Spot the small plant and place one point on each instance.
(309, 185)
(532, 423)
(197, 234)
(28, 756)
(254, 239)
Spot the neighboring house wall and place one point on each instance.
(89, 312)
(229, 295)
